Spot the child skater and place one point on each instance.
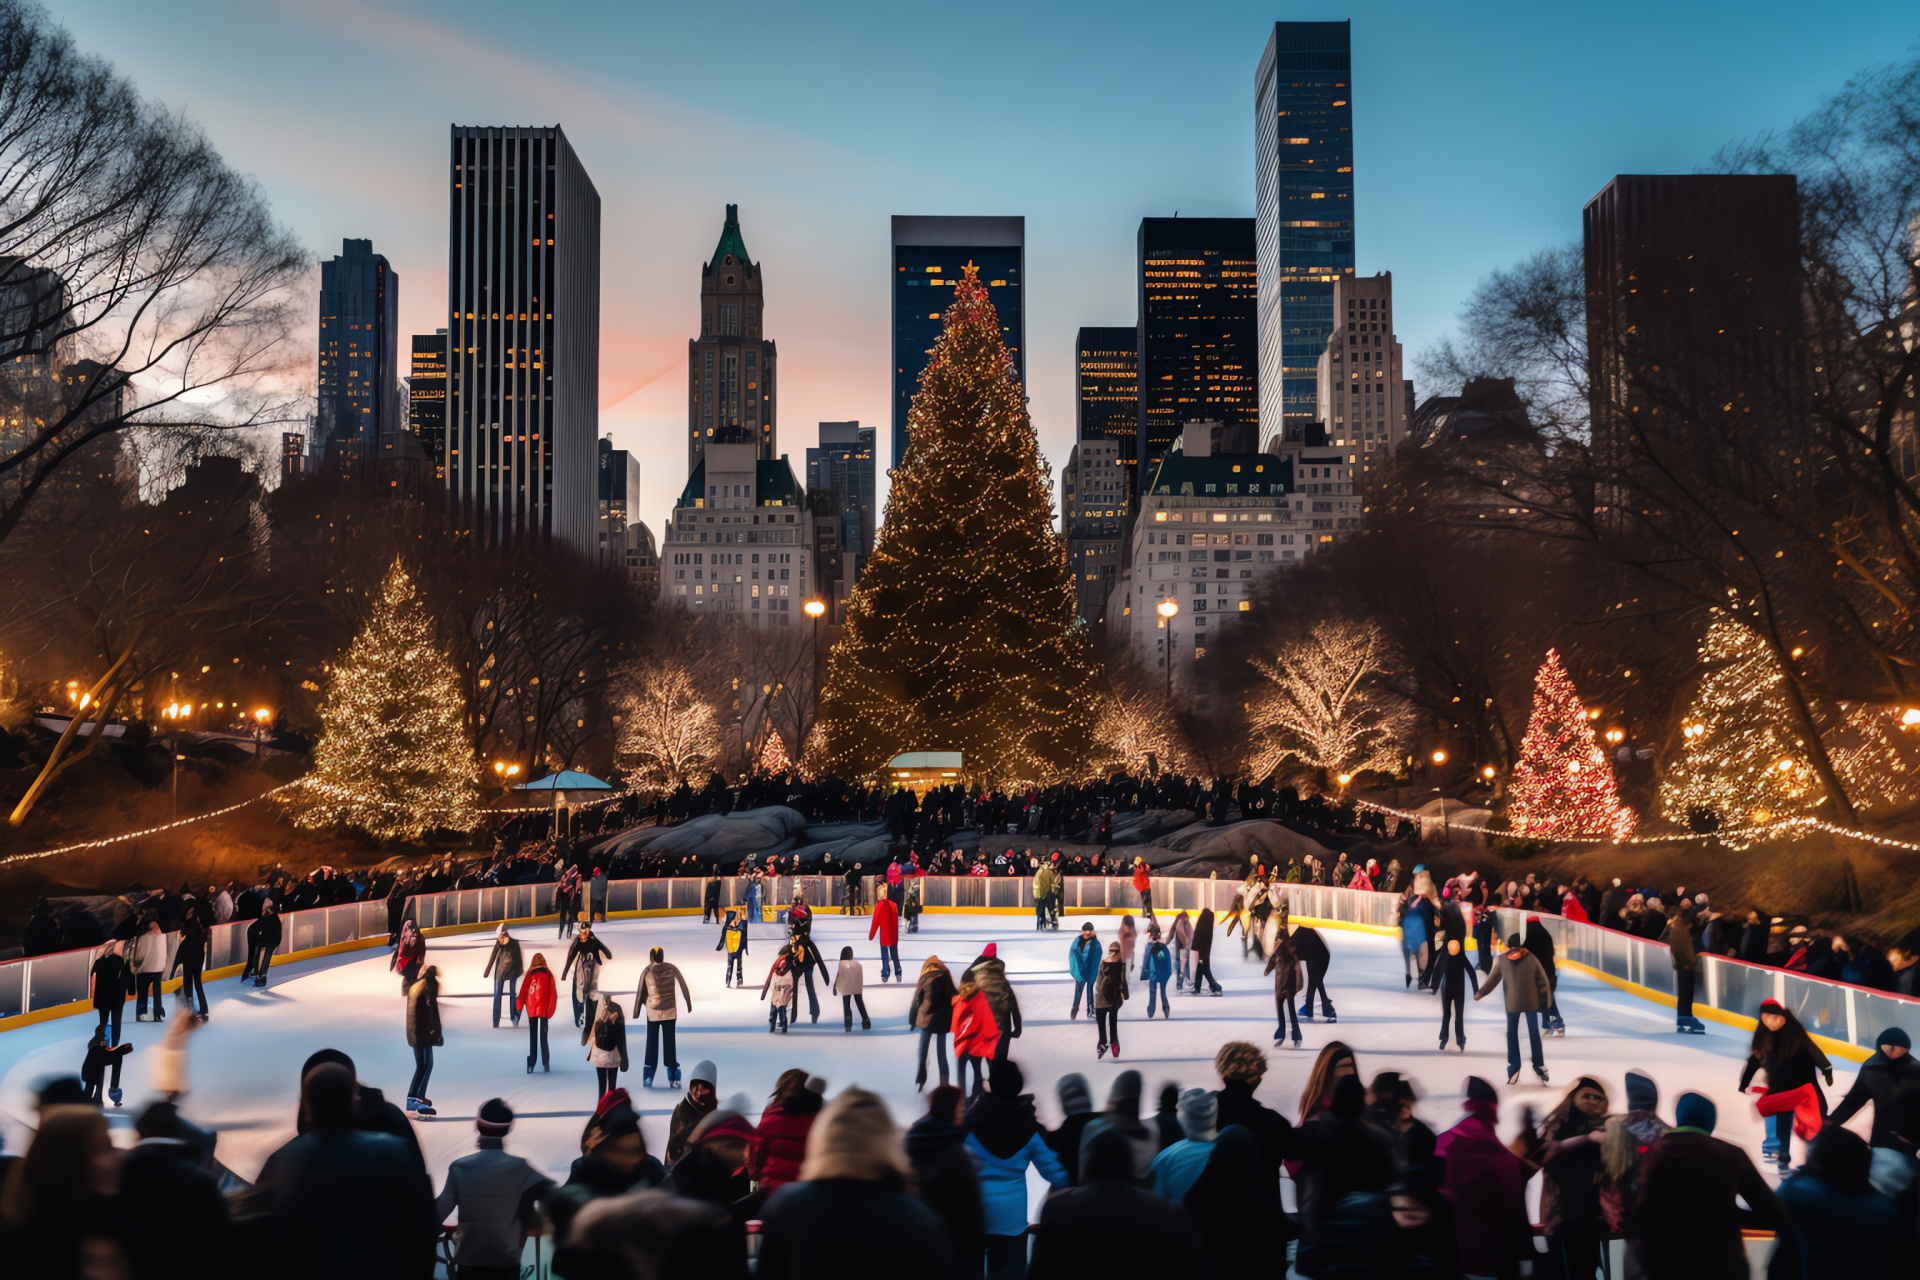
(778, 988)
(733, 941)
(848, 984)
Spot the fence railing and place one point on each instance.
(1852, 1015)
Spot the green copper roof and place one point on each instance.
(730, 241)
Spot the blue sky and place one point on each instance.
(1480, 131)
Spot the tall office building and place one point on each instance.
(619, 501)
(730, 366)
(1107, 374)
(1199, 332)
(427, 399)
(929, 255)
(843, 466)
(359, 345)
(1692, 297)
(1362, 384)
(1303, 201)
(523, 304)
(1096, 496)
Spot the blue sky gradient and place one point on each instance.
(1480, 131)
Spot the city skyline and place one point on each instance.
(1428, 209)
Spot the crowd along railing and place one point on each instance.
(1851, 1015)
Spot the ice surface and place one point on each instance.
(243, 1064)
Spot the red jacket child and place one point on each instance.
(886, 923)
(976, 1034)
(537, 995)
(1140, 880)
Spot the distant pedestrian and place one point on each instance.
(503, 966)
(598, 892)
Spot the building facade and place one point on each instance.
(929, 255)
(1303, 202)
(1362, 377)
(1199, 331)
(1096, 497)
(619, 500)
(523, 330)
(1692, 298)
(730, 366)
(841, 493)
(741, 539)
(359, 350)
(1107, 377)
(427, 399)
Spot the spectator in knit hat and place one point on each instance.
(497, 1196)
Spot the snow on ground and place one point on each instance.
(244, 1063)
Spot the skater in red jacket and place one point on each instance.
(538, 999)
(886, 927)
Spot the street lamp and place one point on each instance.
(815, 609)
(176, 712)
(1439, 757)
(260, 717)
(1168, 609)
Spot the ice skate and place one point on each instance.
(673, 1077)
(115, 1095)
(1542, 1073)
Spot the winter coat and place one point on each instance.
(350, 1204)
(1157, 965)
(1129, 934)
(1045, 881)
(1830, 1235)
(1272, 1134)
(1418, 925)
(1004, 1138)
(505, 955)
(99, 1057)
(538, 998)
(778, 988)
(656, 992)
(687, 1115)
(1893, 1087)
(1790, 1068)
(848, 980)
(112, 981)
(1181, 935)
(850, 1228)
(423, 1015)
(1689, 1224)
(265, 933)
(781, 1146)
(150, 952)
(932, 1003)
(1203, 937)
(1111, 1228)
(1679, 940)
(1455, 974)
(1141, 882)
(191, 955)
(944, 1180)
(407, 957)
(1083, 957)
(1539, 944)
(990, 972)
(1285, 968)
(976, 1032)
(609, 1025)
(1110, 985)
(886, 923)
(494, 1193)
(1312, 950)
(585, 956)
(1527, 990)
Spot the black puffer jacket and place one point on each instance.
(1892, 1085)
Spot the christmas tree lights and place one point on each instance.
(961, 634)
(394, 759)
(1563, 786)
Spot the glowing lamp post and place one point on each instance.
(1168, 610)
(815, 609)
(176, 714)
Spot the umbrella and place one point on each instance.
(565, 786)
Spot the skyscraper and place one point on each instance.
(730, 366)
(1107, 370)
(619, 500)
(523, 304)
(359, 344)
(1303, 201)
(427, 399)
(1693, 298)
(1199, 332)
(1362, 385)
(929, 255)
(843, 466)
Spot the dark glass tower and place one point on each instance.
(359, 364)
(523, 304)
(1107, 370)
(929, 254)
(427, 399)
(1199, 331)
(1303, 202)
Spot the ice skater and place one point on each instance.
(1109, 993)
(778, 990)
(584, 958)
(976, 1032)
(608, 1050)
(503, 966)
(1083, 965)
(733, 941)
(1203, 953)
(849, 986)
(659, 982)
(1180, 938)
(102, 1055)
(1312, 950)
(423, 1036)
(1284, 965)
(885, 926)
(1527, 994)
(538, 999)
(1156, 968)
(1451, 975)
(408, 955)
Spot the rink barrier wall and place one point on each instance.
(1846, 1020)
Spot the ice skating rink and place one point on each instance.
(243, 1064)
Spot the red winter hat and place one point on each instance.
(1772, 1006)
(614, 1098)
(992, 949)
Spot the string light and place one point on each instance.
(394, 759)
(1782, 827)
(961, 634)
(1563, 786)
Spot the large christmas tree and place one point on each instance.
(961, 636)
(1563, 787)
(1741, 762)
(393, 759)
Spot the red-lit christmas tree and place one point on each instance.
(1563, 786)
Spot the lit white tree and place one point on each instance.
(1325, 707)
(1131, 726)
(668, 728)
